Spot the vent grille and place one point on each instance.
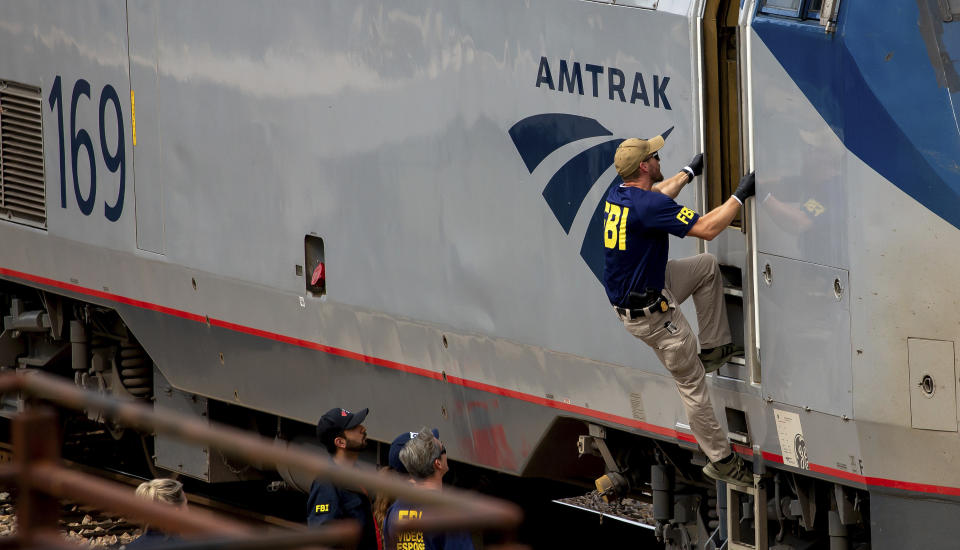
(22, 188)
(636, 405)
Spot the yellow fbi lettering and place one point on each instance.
(321, 508)
(685, 215)
(615, 226)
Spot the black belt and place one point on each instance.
(659, 305)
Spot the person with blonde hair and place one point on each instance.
(165, 491)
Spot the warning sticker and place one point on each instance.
(792, 445)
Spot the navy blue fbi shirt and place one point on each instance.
(418, 540)
(636, 229)
(327, 502)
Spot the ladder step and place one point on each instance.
(733, 291)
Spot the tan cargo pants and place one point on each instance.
(671, 337)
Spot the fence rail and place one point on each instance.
(41, 479)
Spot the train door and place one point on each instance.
(726, 138)
(808, 213)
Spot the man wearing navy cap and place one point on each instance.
(397, 445)
(343, 434)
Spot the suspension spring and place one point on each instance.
(136, 371)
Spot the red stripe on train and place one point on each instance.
(471, 384)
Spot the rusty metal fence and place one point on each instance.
(41, 480)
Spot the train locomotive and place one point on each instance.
(254, 212)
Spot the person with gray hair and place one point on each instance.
(165, 491)
(425, 459)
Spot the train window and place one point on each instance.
(821, 11)
(315, 262)
(798, 9)
(950, 10)
(649, 4)
(22, 189)
(781, 7)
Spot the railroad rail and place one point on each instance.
(41, 478)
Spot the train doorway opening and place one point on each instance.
(722, 101)
(726, 138)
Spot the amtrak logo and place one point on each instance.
(538, 136)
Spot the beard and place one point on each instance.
(354, 446)
(658, 177)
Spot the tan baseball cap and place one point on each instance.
(633, 151)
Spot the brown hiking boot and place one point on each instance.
(735, 472)
(717, 357)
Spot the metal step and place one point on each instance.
(611, 516)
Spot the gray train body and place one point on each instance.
(444, 160)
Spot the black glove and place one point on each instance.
(695, 167)
(746, 189)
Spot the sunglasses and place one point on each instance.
(654, 156)
(443, 451)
